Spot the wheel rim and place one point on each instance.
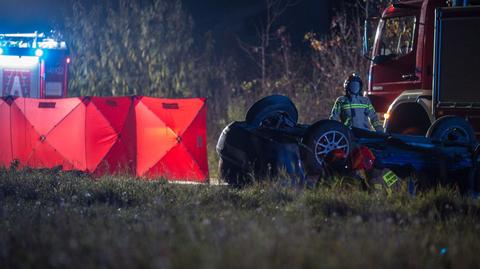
(329, 141)
(455, 134)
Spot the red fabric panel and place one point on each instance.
(23, 135)
(161, 128)
(105, 121)
(138, 135)
(68, 137)
(128, 140)
(194, 139)
(114, 109)
(177, 114)
(45, 114)
(154, 138)
(50, 132)
(117, 161)
(44, 155)
(5, 135)
(178, 164)
(118, 148)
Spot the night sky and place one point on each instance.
(223, 17)
(29, 15)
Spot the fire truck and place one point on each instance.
(33, 65)
(425, 64)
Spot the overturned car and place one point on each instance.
(271, 140)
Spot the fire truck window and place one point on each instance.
(397, 36)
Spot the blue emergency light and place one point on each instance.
(29, 44)
(39, 52)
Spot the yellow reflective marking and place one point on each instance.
(390, 178)
(349, 106)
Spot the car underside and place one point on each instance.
(271, 140)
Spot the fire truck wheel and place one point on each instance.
(453, 129)
(322, 138)
(271, 106)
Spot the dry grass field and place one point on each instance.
(52, 219)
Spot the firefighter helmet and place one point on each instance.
(353, 85)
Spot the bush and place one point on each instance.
(125, 47)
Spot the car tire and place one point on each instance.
(271, 105)
(320, 139)
(452, 129)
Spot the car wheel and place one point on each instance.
(271, 106)
(322, 138)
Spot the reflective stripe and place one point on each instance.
(352, 106)
(347, 121)
(337, 108)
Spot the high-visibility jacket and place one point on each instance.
(356, 111)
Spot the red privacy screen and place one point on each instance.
(143, 136)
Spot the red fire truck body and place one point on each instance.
(32, 65)
(424, 64)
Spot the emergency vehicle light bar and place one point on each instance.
(30, 40)
(27, 35)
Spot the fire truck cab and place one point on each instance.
(33, 65)
(424, 64)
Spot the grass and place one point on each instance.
(53, 219)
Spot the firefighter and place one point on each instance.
(353, 109)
